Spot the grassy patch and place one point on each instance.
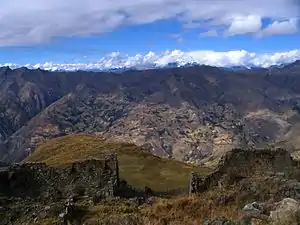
(178, 210)
(137, 167)
(117, 207)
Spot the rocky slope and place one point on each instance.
(192, 114)
(246, 185)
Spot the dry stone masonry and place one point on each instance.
(93, 177)
(241, 163)
(195, 183)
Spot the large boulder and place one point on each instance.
(286, 210)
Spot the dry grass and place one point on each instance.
(137, 167)
(191, 210)
(48, 221)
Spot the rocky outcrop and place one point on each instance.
(269, 178)
(93, 177)
(243, 163)
(285, 211)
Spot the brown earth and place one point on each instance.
(191, 114)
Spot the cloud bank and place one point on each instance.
(117, 60)
(30, 22)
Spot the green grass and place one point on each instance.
(137, 167)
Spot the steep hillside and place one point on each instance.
(248, 187)
(137, 166)
(192, 114)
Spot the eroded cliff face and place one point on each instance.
(93, 177)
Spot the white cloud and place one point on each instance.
(280, 27)
(116, 60)
(244, 25)
(210, 33)
(24, 22)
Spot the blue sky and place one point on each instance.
(157, 37)
(71, 32)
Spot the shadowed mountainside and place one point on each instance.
(192, 114)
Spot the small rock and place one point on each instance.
(2, 209)
(254, 211)
(253, 208)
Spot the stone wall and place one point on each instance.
(195, 183)
(252, 160)
(93, 177)
(239, 163)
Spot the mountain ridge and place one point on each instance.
(192, 114)
(124, 68)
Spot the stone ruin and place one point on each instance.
(240, 163)
(93, 177)
(100, 177)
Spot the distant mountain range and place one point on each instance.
(192, 113)
(120, 67)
